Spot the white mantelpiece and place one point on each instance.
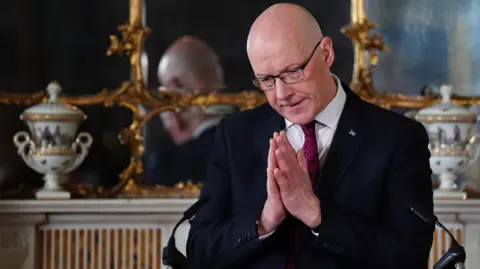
(131, 233)
(85, 234)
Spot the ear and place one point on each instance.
(328, 53)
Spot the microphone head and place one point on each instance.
(172, 257)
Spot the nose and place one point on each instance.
(283, 91)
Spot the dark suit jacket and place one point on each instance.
(173, 164)
(367, 184)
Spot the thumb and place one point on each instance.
(273, 190)
(302, 161)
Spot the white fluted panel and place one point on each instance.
(99, 247)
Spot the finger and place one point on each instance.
(278, 138)
(286, 161)
(272, 160)
(283, 142)
(287, 143)
(285, 186)
(273, 191)
(302, 161)
(280, 178)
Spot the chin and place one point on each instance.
(299, 118)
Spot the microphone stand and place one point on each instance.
(171, 256)
(455, 256)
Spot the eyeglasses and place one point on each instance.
(289, 77)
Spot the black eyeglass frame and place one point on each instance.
(257, 82)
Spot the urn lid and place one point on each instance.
(52, 110)
(445, 110)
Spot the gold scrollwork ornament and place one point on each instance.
(132, 95)
(367, 42)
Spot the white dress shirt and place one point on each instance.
(327, 121)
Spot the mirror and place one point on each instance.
(225, 29)
(64, 41)
(430, 43)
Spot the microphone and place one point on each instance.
(171, 256)
(455, 256)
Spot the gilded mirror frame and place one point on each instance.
(368, 43)
(131, 94)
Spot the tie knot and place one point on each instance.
(309, 129)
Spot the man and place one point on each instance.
(188, 65)
(278, 200)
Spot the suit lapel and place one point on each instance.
(345, 145)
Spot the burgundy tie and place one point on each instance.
(311, 150)
(313, 166)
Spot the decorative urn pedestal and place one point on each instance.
(451, 129)
(52, 148)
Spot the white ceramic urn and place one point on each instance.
(451, 129)
(53, 148)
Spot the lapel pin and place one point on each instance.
(352, 133)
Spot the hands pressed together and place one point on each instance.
(289, 188)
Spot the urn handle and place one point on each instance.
(81, 146)
(473, 149)
(25, 146)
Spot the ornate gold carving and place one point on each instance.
(366, 42)
(22, 99)
(131, 95)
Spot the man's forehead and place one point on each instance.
(273, 59)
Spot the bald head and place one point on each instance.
(190, 63)
(291, 60)
(286, 24)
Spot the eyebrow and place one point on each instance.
(286, 68)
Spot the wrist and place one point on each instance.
(314, 214)
(263, 226)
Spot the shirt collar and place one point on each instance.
(330, 115)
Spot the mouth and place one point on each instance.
(294, 105)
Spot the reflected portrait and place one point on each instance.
(177, 143)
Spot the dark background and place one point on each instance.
(67, 41)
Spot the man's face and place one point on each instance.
(298, 93)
